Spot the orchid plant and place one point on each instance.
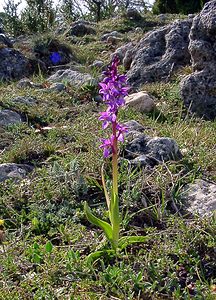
(114, 88)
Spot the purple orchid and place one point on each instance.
(113, 90)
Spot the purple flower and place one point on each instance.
(121, 130)
(55, 57)
(107, 145)
(113, 89)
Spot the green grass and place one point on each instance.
(47, 236)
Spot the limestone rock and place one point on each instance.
(115, 34)
(159, 53)
(200, 198)
(80, 29)
(24, 100)
(198, 90)
(138, 30)
(25, 83)
(5, 40)
(13, 64)
(143, 150)
(127, 60)
(163, 149)
(12, 170)
(162, 17)
(125, 53)
(97, 64)
(113, 40)
(133, 14)
(57, 86)
(133, 125)
(73, 77)
(1, 26)
(141, 102)
(53, 53)
(9, 117)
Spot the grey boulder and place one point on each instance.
(9, 117)
(160, 53)
(143, 150)
(13, 64)
(198, 89)
(80, 29)
(133, 14)
(134, 126)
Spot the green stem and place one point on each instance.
(114, 212)
(115, 161)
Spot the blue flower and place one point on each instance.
(55, 57)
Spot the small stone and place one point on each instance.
(141, 102)
(138, 30)
(113, 40)
(74, 78)
(162, 17)
(12, 170)
(125, 54)
(24, 83)
(127, 60)
(144, 161)
(57, 86)
(191, 16)
(133, 125)
(9, 117)
(200, 198)
(97, 64)
(113, 34)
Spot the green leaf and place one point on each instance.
(95, 255)
(37, 258)
(35, 222)
(36, 246)
(100, 223)
(48, 247)
(128, 240)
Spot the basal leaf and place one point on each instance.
(128, 240)
(100, 223)
(95, 255)
(48, 247)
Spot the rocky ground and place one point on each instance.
(50, 162)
